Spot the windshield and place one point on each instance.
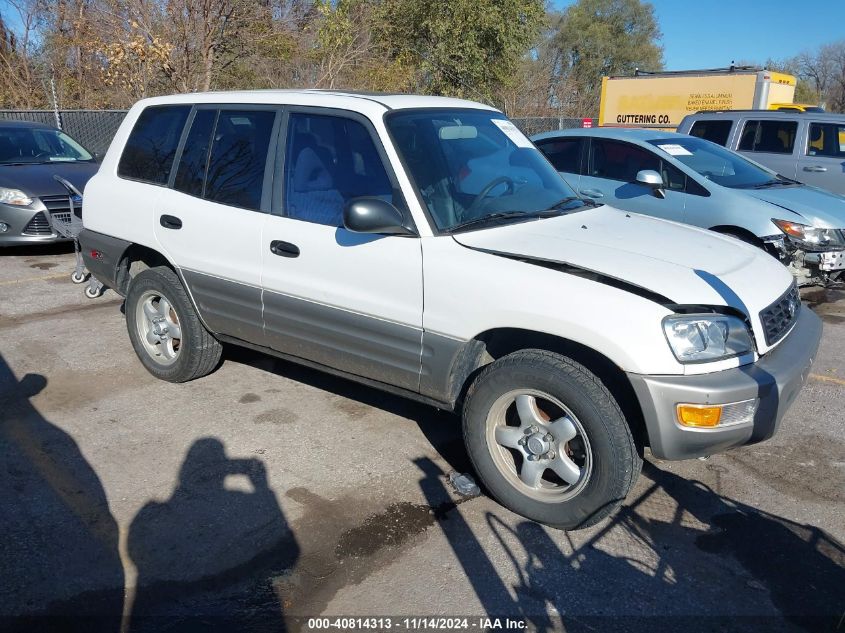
(473, 165)
(22, 145)
(718, 164)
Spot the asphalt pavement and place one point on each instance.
(266, 493)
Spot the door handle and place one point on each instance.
(170, 222)
(284, 249)
(592, 193)
(815, 168)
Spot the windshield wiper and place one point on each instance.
(780, 180)
(505, 215)
(585, 201)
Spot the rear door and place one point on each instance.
(822, 162)
(209, 221)
(611, 175)
(346, 300)
(771, 142)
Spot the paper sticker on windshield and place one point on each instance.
(673, 149)
(512, 132)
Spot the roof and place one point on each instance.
(357, 101)
(620, 133)
(25, 124)
(769, 114)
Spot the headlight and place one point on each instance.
(810, 235)
(14, 196)
(702, 337)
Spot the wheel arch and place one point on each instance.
(739, 232)
(136, 258)
(493, 344)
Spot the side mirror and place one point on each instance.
(374, 215)
(651, 178)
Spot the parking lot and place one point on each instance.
(266, 493)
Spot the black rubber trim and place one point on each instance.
(585, 273)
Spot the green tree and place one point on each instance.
(466, 48)
(596, 38)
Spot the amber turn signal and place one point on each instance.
(699, 415)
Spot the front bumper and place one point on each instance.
(17, 218)
(775, 380)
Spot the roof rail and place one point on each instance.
(702, 71)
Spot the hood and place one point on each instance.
(37, 180)
(819, 207)
(682, 263)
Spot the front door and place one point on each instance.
(771, 142)
(611, 177)
(823, 161)
(349, 301)
(209, 221)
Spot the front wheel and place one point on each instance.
(165, 331)
(548, 440)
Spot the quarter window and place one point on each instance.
(190, 175)
(773, 137)
(330, 160)
(151, 146)
(826, 139)
(564, 154)
(714, 130)
(238, 157)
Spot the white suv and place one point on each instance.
(423, 245)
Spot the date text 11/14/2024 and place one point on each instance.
(415, 623)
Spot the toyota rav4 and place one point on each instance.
(424, 246)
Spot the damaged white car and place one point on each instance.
(425, 247)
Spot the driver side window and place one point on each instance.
(616, 160)
(330, 160)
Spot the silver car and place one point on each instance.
(691, 180)
(806, 146)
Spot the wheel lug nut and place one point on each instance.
(550, 455)
(522, 441)
(550, 437)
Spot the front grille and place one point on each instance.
(779, 317)
(59, 206)
(38, 225)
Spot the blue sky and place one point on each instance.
(711, 33)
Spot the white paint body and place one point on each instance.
(446, 284)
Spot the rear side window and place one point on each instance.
(826, 139)
(190, 175)
(151, 147)
(714, 130)
(773, 137)
(329, 161)
(564, 154)
(238, 157)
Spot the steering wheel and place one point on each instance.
(476, 202)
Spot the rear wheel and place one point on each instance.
(165, 331)
(548, 440)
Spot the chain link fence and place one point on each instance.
(93, 128)
(537, 124)
(96, 128)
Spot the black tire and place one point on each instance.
(616, 463)
(198, 351)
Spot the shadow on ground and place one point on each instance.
(219, 554)
(676, 557)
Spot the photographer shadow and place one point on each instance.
(206, 556)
